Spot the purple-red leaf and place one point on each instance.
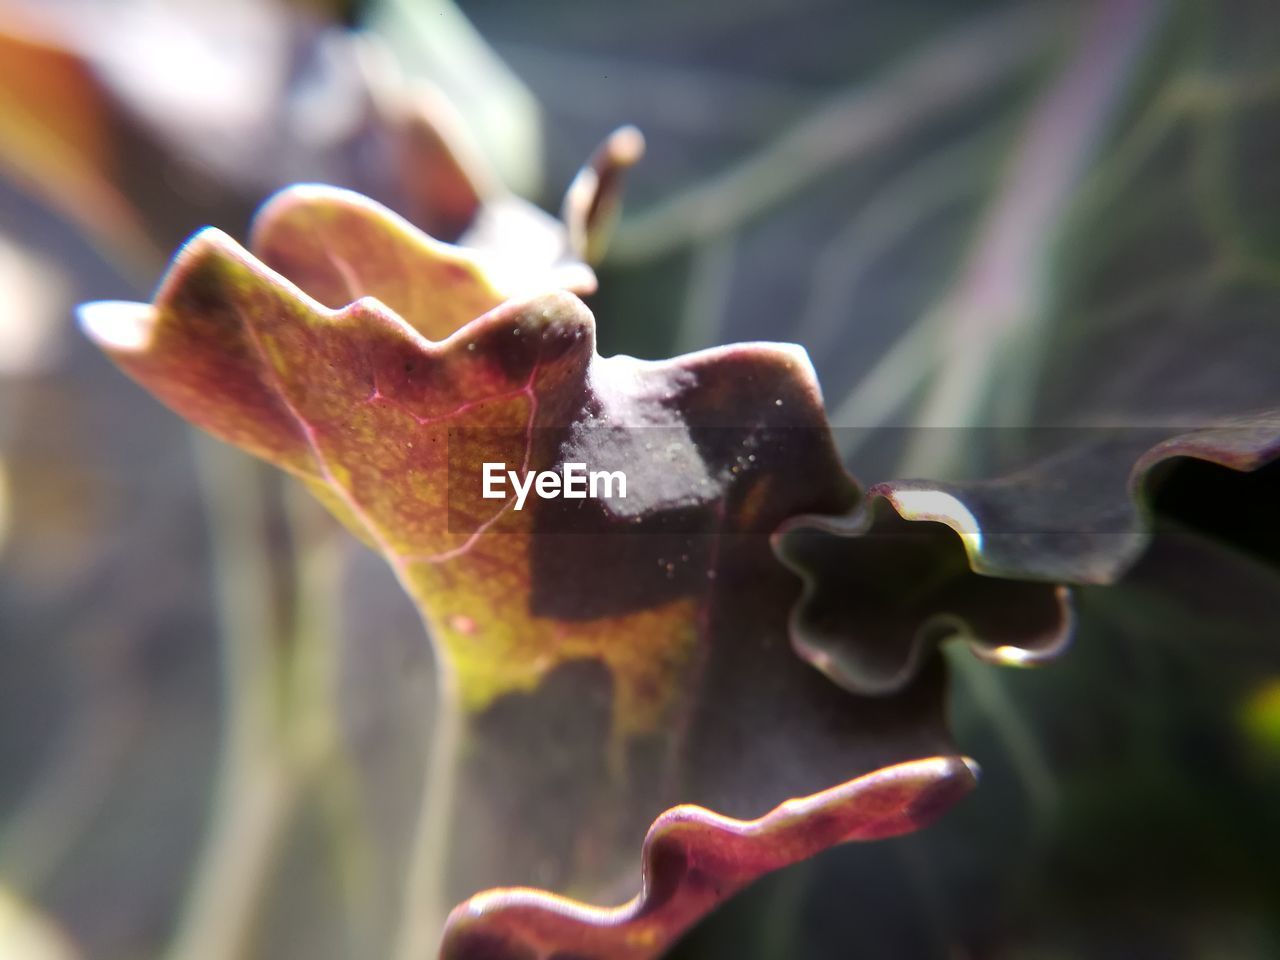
(611, 657)
(694, 860)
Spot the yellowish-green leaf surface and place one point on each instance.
(612, 657)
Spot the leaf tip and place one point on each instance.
(943, 782)
(593, 201)
(554, 313)
(118, 326)
(305, 199)
(625, 146)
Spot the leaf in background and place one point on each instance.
(611, 657)
(55, 133)
(437, 47)
(140, 125)
(180, 114)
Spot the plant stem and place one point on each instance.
(282, 732)
(854, 122)
(986, 686)
(707, 295)
(776, 931)
(899, 373)
(693, 96)
(435, 43)
(314, 708)
(256, 800)
(83, 767)
(885, 221)
(994, 314)
(257, 789)
(425, 901)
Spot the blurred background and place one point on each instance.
(972, 214)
